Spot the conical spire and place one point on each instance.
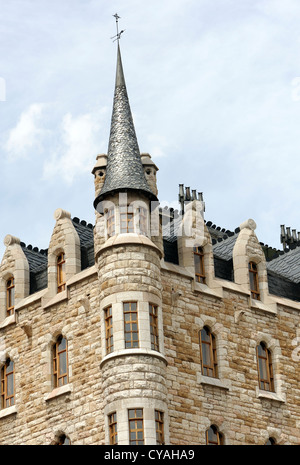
(124, 170)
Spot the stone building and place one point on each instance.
(152, 326)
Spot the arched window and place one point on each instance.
(270, 442)
(61, 274)
(61, 440)
(265, 369)
(199, 265)
(10, 296)
(214, 437)
(208, 353)
(254, 284)
(60, 362)
(7, 384)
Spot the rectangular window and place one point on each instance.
(136, 427)
(131, 325)
(113, 431)
(142, 212)
(126, 219)
(7, 385)
(159, 426)
(153, 309)
(109, 338)
(199, 265)
(208, 353)
(110, 221)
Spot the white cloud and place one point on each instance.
(77, 147)
(26, 134)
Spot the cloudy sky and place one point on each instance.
(214, 87)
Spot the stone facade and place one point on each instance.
(150, 360)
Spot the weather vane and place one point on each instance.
(118, 35)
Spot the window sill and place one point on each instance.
(66, 389)
(270, 396)
(130, 352)
(203, 288)
(8, 411)
(59, 297)
(9, 320)
(216, 382)
(259, 305)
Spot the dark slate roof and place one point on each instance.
(86, 235)
(287, 264)
(124, 169)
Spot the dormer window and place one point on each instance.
(10, 296)
(61, 274)
(254, 284)
(199, 265)
(126, 219)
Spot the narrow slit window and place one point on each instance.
(7, 384)
(159, 426)
(199, 265)
(10, 296)
(60, 362)
(153, 315)
(136, 427)
(131, 332)
(254, 283)
(113, 429)
(61, 272)
(109, 338)
(265, 368)
(142, 212)
(208, 353)
(110, 222)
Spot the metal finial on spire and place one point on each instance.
(118, 35)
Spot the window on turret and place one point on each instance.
(61, 274)
(136, 427)
(60, 362)
(113, 429)
(110, 221)
(131, 325)
(10, 296)
(126, 219)
(159, 426)
(199, 265)
(142, 212)
(7, 384)
(265, 368)
(153, 310)
(214, 437)
(254, 284)
(208, 353)
(109, 338)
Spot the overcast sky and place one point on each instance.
(214, 87)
